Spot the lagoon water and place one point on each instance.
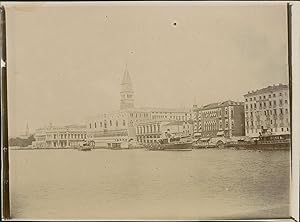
(140, 184)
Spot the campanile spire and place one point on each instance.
(127, 94)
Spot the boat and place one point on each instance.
(210, 142)
(86, 145)
(125, 145)
(202, 143)
(171, 144)
(262, 142)
(118, 145)
(84, 149)
(270, 142)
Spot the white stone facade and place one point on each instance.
(267, 111)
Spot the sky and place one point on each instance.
(66, 63)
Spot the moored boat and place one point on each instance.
(177, 146)
(263, 142)
(271, 142)
(85, 145)
(125, 145)
(84, 149)
(172, 144)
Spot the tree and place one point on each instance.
(21, 142)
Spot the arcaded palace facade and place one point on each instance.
(59, 136)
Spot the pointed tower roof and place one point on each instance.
(126, 84)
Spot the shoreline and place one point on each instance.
(100, 148)
(143, 148)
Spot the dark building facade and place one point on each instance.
(219, 119)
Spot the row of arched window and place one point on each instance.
(105, 124)
(69, 136)
(152, 128)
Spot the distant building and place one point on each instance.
(59, 137)
(219, 119)
(152, 131)
(120, 126)
(267, 111)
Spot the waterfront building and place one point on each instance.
(152, 131)
(118, 126)
(267, 111)
(112, 127)
(59, 137)
(149, 131)
(219, 119)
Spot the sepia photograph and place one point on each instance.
(147, 111)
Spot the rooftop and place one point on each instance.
(268, 89)
(73, 126)
(141, 109)
(219, 104)
(157, 109)
(165, 122)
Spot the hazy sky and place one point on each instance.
(66, 63)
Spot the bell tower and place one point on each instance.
(127, 94)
